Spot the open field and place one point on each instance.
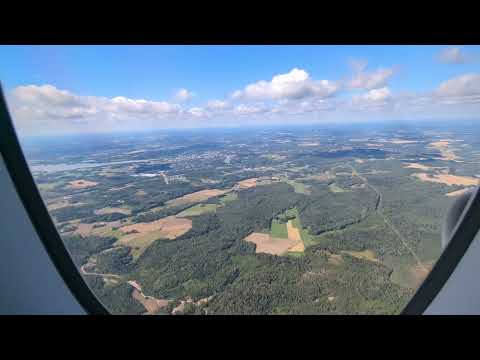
(443, 146)
(169, 227)
(447, 179)
(84, 229)
(198, 210)
(267, 244)
(279, 230)
(82, 184)
(248, 183)
(293, 232)
(366, 255)
(418, 166)
(141, 235)
(112, 210)
(198, 196)
(298, 187)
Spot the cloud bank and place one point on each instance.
(290, 96)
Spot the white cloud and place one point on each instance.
(121, 104)
(46, 106)
(197, 112)
(218, 105)
(460, 86)
(183, 95)
(243, 109)
(373, 99)
(369, 80)
(453, 55)
(295, 84)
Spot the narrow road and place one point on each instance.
(378, 208)
(84, 272)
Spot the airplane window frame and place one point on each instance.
(10, 149)
(40, 218)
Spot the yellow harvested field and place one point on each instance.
(248, 183)
(418, 166)
(448, 179)
(270, 245)
(169, 227)
(293, 232)
(84, 229)
(198, 196)
(150, 304)
(442, 146)
(141, 235)
(458, 192)
(82, 184)
(111, 210)
(300, 247)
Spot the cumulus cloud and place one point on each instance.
(463, 85)
(183, 95)
(55, 109)
(453, 55)
(197, 112)
(296, 84)
(243, 109)
(363, 79)
(373, 99)
(218, 105)
(121, 104)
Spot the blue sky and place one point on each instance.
(72, 87)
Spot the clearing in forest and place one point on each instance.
(197, 196)
(418, 166)
(112, 210)
(248, 183)
(366, 255)
(265, 243)
(141, 235)
(198, 209)
(82, 184)
(84, 229)
(279, 229)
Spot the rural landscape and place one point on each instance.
(310, 219)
